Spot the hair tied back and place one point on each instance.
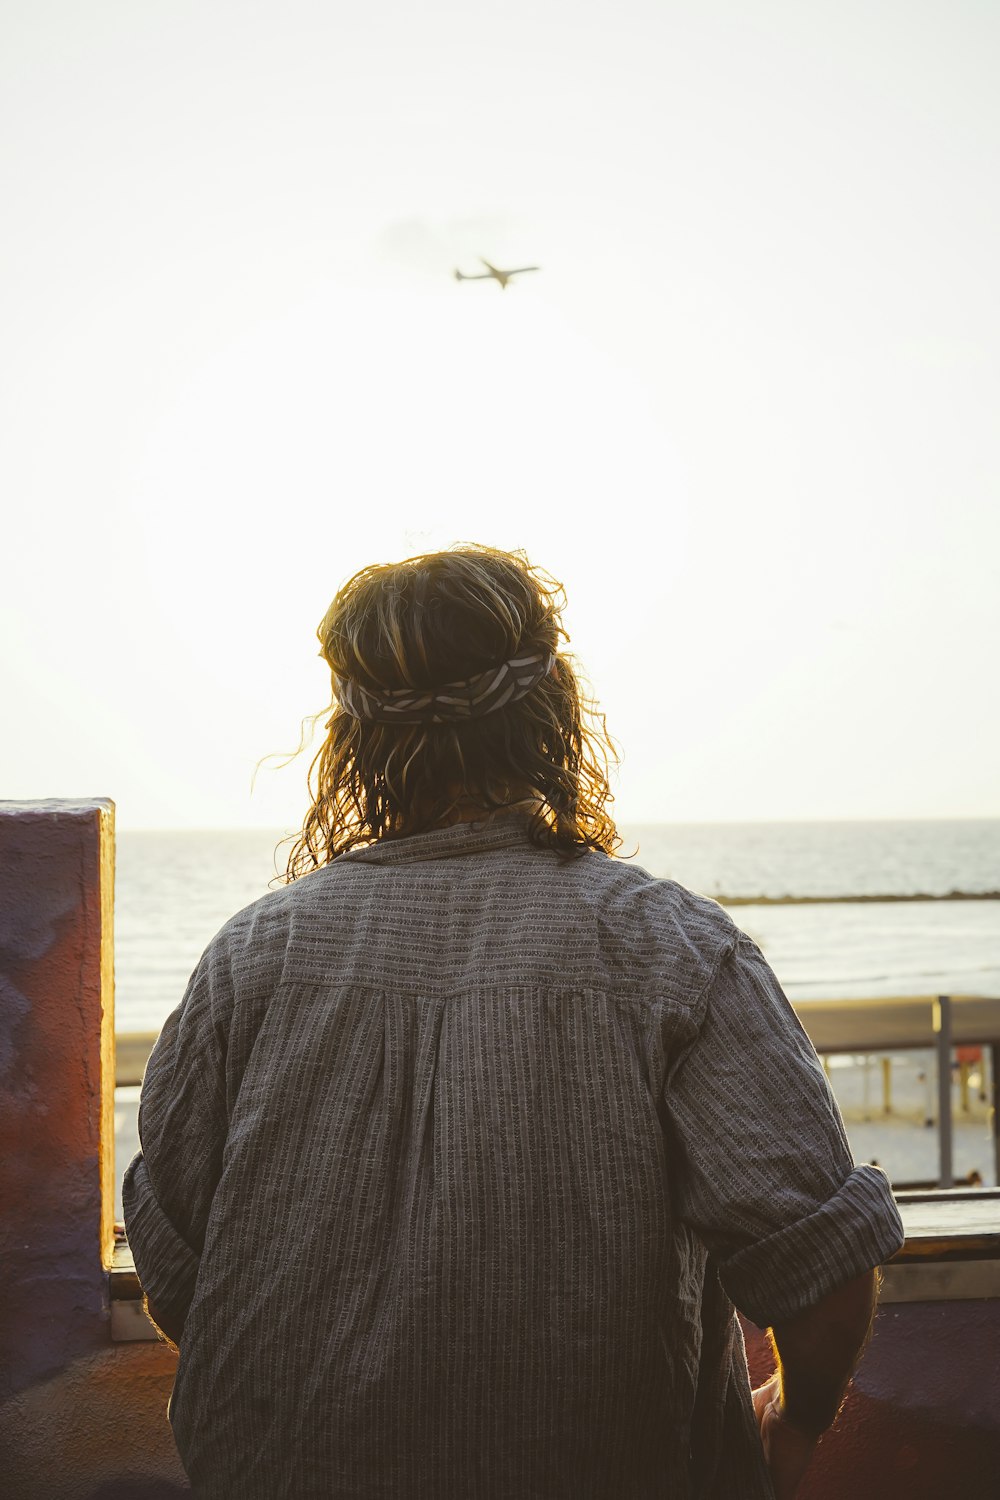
(453, 702)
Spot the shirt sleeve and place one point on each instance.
(168, 1187)
(764, 1172)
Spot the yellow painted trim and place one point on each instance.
(106, 845)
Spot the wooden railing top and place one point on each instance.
(941, 1228)
(896, 1022)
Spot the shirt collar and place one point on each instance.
(506, 830)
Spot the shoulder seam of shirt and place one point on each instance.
(725, 953)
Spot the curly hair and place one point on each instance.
(440, 618)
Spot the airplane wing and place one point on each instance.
(492, 269)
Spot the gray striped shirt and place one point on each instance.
(456, 1156)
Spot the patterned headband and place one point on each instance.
(451, 704)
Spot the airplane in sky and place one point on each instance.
(492, 274)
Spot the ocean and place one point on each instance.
(174, 890)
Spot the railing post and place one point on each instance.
(942, 1028)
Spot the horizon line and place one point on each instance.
(622, 823)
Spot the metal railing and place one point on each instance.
(867, 1028)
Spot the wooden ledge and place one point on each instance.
(951, 1254)
(123, 1283)
(952, 1247)
(953, 1225)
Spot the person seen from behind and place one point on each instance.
(463, 1146)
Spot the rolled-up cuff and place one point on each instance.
(856, 1229)
(166, 1265)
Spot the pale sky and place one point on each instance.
(747, 410)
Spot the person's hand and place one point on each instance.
(786, 1450)
(167, 1328)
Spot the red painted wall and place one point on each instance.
(80, 1418)
(922, 1417)
(50, 923)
